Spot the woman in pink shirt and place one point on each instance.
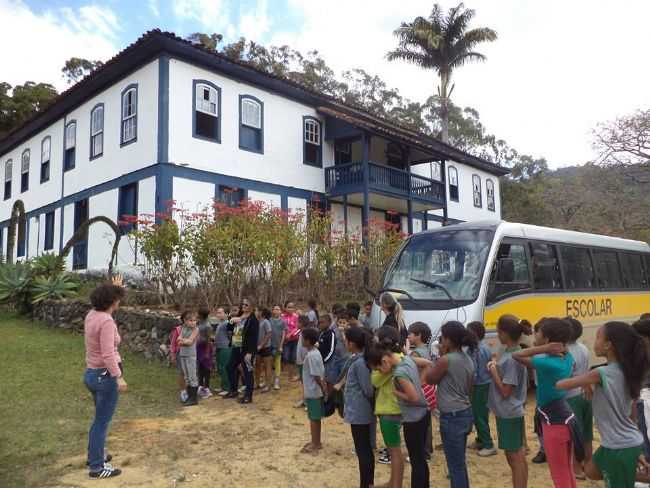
(103, 375)
(291, 341)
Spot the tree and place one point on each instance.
(208, 41)
(19, 104)
(625, 140)
(442, 44)
(75, 69)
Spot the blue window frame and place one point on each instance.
(8, 174)
(129, 119)
(97, 131)
(48, 243)
(251, 124)
(46, 152)
(24, 171)
(312, 142)
(22, 237)
(206, 111)
(70, 146)
(231, 197)
(80, 249)
(127, 206)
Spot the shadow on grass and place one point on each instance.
(45, 408)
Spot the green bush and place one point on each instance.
(47, 265)
(15, 285)
(53, 288)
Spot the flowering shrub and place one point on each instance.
(223, 252)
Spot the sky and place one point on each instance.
(557, 70)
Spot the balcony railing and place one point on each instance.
(348, 178)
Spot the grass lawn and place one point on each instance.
(45, 410)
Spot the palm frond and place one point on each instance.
(466, 58)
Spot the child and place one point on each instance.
(579, 404)
(482, 379)
(364, 317)
(245, 332)
(359, 398)
(454, 375)
(540, 457)
(507, 397)
(616, 385)
(222, 347)
(301, 351)
(643, 405)
(342, 321)
(291, 340)
(278, 335)
(187, 356)
(419, 337)
(560, 431)
(173, 357)
(204, 354)
(379, 359)
(314, 389)
(264, 362)
(312, 313)
(353, 310)
(327, 347)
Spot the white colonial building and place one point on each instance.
(167, 120)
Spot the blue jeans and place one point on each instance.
(103, 388)
(642, 423)
(454, 429)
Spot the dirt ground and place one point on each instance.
(223, 444)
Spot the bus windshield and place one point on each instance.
(454, 259)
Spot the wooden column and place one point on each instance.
(365, 211)
(443, 179)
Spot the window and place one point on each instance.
(251, 124)
(48, 243)
(546, 266)
(8, 170)
(342, 153)
(229, 196)
(207, 111)
(46, 147)
(70, 146)
(453, 183)
(312, 144)
(489, 190)
(22, 237)
(578, 268)
(24, 171)
(607, 270)
(632, 268)
(478, 197)
(80, 249)
(129, 129)
(127, 207)
(510, 273)
(97, 131)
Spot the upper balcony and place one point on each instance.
(348, 179)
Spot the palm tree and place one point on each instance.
(442, 44)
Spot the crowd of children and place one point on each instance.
(397, 378)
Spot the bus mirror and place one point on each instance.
(505, 270)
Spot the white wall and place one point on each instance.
(297, 205)
(270, 199)
(100, 235)
(281, 162)
(34, 225)
(193, 196)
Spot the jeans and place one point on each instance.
(415, 436)
(481, 416)
(643, 427)
(361, 435)
(237, 360)
(454, 429)
(559, 455)
(103, 388)
(289, 352)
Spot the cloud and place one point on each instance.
(211, 14)
(41, 43)
(154, 8)
(254, 25)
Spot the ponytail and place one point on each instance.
(631, 354)
(513, 327)
(459, 335)
(393, 307)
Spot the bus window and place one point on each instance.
(632, 268)
(578, 270)
(510, 272)
(608, 272)
(546, 267)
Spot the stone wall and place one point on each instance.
(142, 331)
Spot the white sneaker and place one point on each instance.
(299, 403)
(242, 389)
(183, 396)
(223, 393)
(487, 452)
(639, 484)
(276, 383)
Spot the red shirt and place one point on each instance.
(292, 326)
(102, 338)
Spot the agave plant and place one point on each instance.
(53, 288)
(47, 265)
(15, 284)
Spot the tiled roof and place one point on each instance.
(155, 42)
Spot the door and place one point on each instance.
(80, 249)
